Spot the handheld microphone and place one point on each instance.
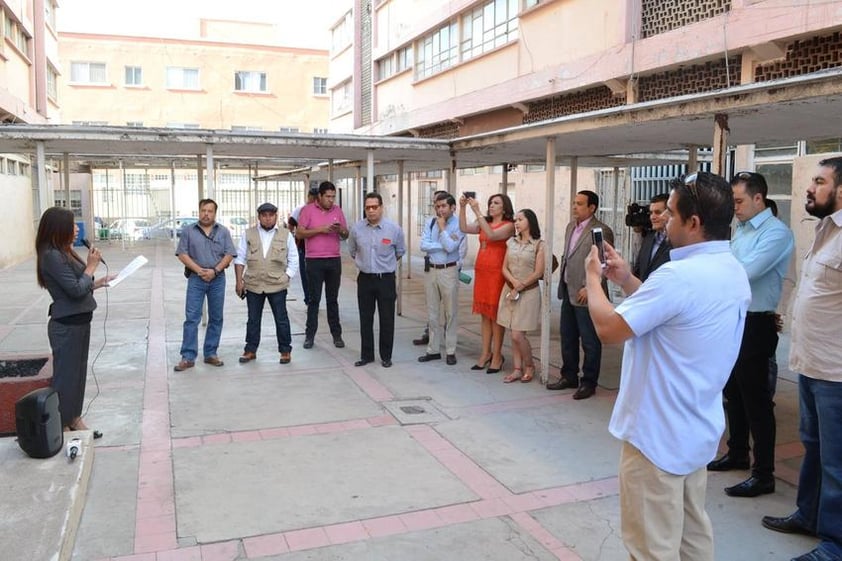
(87, 244)
(74, 446)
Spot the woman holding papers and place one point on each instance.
(70, 281)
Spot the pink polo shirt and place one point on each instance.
(321, 246)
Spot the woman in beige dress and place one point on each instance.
(520, 302)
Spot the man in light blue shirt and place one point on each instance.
(441, 241)
(682, 330)
(763, 245)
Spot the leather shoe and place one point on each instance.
(362, 362)
(727, 463)
(451, 359)
(248, 356)
(184, 365)
(423, 340)
(286, 358)
(428, 357)
(584, 392)
(786, 524)
(751, 487)
(308, 343)
(387, 363)
(213, 361)
(338, 342)
(563, 384)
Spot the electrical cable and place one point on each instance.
(101, 348)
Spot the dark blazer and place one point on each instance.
(574, 260)
(646, 262)
(71, 289)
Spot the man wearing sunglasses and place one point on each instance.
(815, 352)
(763, 245)
(682, 331)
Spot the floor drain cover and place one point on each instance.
(413, 410)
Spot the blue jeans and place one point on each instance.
(576, 325)
(197, 290)
(820, 482)
(278, 303)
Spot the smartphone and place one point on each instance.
(596, 236)
(470, 194)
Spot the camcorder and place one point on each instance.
(637, 216)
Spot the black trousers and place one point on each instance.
(378, 291)
(749, 399)
(70, 344)
(327, 272)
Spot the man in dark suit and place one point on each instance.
(655, 248)
(576, 322)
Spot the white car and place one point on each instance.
(237, 225)
(129, 228)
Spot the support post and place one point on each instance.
(546, 288)
(408, 230)
(401, 224)
(173, 212)
(211, 172)
(504, 188)
(200, 176)
(65, 174)
(692, 158)
(720, 143)
(45, 195)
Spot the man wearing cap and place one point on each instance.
(292, 224)
(266, 261)
(321, 225)
(762, 244)
(376, 244)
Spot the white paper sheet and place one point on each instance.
(127, 271)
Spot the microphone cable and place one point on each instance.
(101, 348)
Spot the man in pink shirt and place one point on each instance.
(321, 225)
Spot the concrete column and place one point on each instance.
(546, 289)
(65, 175)
(451, 176)
(330, 170)
(358, 187)
(504, 189)
(211, 172)
(173, 212)
(45, 194)
(123, 206)
(574, 184)
(720, 143)
(401, 224)
(409, 231)
(200, 176)
(692, 159)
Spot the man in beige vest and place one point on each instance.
(266, 261)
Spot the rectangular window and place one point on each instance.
(341, 34)
(403, 58)
(134, 124)
(288, 129)
(90, 123)
(385, 67)
(12, 167)
(52, 82)
(488, 27)
(245, 128)
(87, 73)
(319, 86)
(341, 97)
(437, 51)
(50, 13)
(134, 76)
(183, 125)
(250, 81)
(179, 78)
(319, 131)
(530, 3)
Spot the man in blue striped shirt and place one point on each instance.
(763, 245)
(376, 244)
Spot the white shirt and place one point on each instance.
(266, 237)
(688, 320)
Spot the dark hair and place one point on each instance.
(836, 164)
(754, 182)
(445, 196)
(326, 186)
(373, 195)
(204, 202)
(773, 206)
(508, 208)
(660, 198)
(534, 228)
(593, 198)
(710, 198)
(55, 231)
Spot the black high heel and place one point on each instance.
(496, 370)
(481, 367)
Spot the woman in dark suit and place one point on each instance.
(71, 283)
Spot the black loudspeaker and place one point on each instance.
(38, 423)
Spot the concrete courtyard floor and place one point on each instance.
(320, 460)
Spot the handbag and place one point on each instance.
(555, 264)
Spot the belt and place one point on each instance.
(377, 275)
(760, 313)
(445, 266)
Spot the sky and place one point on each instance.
(300, 23)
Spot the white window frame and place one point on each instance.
(319, 85)
(250, 81)
(342, 33)
(179, 78)
(437, 51)
(489, 26)
(52, 82)
(88, 72)
(136, 75)
(341, 98)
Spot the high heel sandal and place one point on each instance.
(517, 374)
(528, 374)
(498, 369)
(483, 366)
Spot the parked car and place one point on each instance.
(237, 225)
(129, 228)
(166, 229)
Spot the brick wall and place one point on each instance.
(591, 99)
(803, 57)
(712, 75)
(659, 16)
(440, 130)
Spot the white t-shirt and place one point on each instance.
(688, 320)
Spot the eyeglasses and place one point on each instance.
(372, 207)
(744, 175)
(690, 183)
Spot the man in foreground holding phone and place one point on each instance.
(576, 323)
(668, 412)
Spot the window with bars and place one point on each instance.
(180, 78)
(250, 81)
(437, 51)
(488, 27)
(133, 76)
(83, 72)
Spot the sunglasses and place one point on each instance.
(372, 207)
(690, 183)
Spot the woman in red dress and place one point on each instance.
(494, 230)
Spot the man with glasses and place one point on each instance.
(815, 352)
(376, 244)
(763, 245)
(682, 331)
(655, 248)
(321, 225)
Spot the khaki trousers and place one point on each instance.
(442, 291)
(662, 515)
